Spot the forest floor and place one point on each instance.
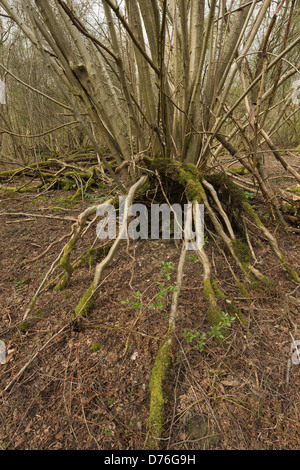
(88, 387)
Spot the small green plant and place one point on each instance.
(167, 268)
(94, 198)
(21, 283)
(250, 195)
(191, 337)
(201, 342)
(135, 302)
(216, 332)
(227, 320)
(3, 445)
(164, 290)
(193, 258)
(179, 354)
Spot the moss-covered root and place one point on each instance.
(214, 311)
(85, 303)
(65, 263)
(77, 233)
(292, 275)
(231, 305)
(186, 174)
(242, 255)
(159, 371)
(22, 189)
(86, 259)
(295, 190)
(70, 268)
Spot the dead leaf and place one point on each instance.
(230, 382)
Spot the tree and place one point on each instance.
(169, 84)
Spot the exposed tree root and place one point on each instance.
(161, 365)
(210, 191)
(77, 232)
(217, 193)
(86, 301)
(63, 259)
(159, 371)
(293, 276)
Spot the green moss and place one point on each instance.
(290, 208)
(295, 190)
(93, 170)
(67, 185)
(22, 189)
(262, 284)
(76, 196)
(38, 313)
(6, 173)
(231, 198)
(65, 263)
(247, 207)
(85, 303)
(143, 189)
(155, 421)
(223, 182)
(95, 347)
(186, 174)
(63, 282)
(194, 191)
(242, 288)
(214, 315)
(68, 295)
(238, 170)
(242, 252)
(79, 174)
(292, 275)
(237, 313)
(102, 186)
(23, 326)
(66, 202)
(217, 290)
(214, 311)
(47, 176)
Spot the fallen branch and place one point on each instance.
(42, 216)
